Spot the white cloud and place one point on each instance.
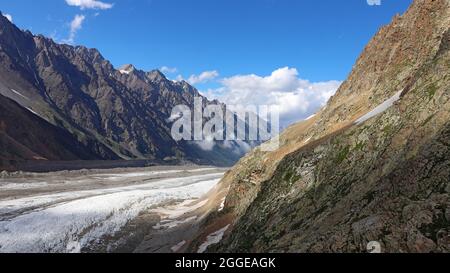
(296, 98)
(75, 26)
(168, 70)
(8, 16)
(374, 2)
(206, 145)
(89, 4)
(202, 78)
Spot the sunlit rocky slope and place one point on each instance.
(373, 165)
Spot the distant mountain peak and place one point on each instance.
(3, 17)
(4, 22)
(127, 69)
(156, 75)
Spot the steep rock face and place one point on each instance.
(117, 113)
(335, 185)
(20, 129)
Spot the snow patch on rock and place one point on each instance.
(380, 109)
(212, 239)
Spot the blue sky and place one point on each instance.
(319, 39)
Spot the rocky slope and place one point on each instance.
(115, 114)
(361, 169)
(21, 129)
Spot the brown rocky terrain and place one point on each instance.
(338, 181)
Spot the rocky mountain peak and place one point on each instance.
(4, 20)
(6, 27)
(188, 88)
(156, 76)
(90, 54)
(127, 69)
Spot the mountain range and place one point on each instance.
(371, 168)
(71, 103)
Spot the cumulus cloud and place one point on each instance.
(294, 97)
(89, 4)
(203, 77)
(8, 16)
(168, 70)
(75, 26)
